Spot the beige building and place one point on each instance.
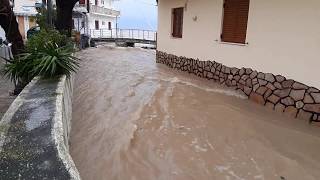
(279, 38)
(25, 12)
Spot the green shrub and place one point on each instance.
(48, 54)
(18, 70)
(37, 41)
(41, 18)
(55, 60)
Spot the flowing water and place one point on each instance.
(134, 119)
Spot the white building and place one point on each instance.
(2, 34)
(99, 18)
(267, 49)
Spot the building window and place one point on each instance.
(109, 25)
(177, 22)
(97, 25)
(82, 2)
(235, 21)
(103, 23)
(96, 2)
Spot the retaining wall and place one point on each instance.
(34, 133)
(274, 91)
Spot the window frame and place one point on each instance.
(222, 41)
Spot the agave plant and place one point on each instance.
(54, 60)
(49, 61)
(19, 69)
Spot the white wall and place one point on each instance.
(2, 34)
(97, 33)
(103, 3)
(283, 36)
(25, 6)
(101, 19)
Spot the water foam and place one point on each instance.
(224, 91)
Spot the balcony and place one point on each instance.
(97, 10)
(103, 11)
(80, 8)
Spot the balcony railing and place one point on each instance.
(103, 10)
(134, 34)
(81, 5)
(99, 10)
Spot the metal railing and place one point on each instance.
(103, 10)
(135, 34)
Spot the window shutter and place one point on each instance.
(180, 22)
(235, 21)
(174, 30)
(177, 24)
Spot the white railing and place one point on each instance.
(99, 10)
(136, 34)
(103, 10)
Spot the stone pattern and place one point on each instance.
(273, 91)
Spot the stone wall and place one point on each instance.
(34, 132)
(274, 91)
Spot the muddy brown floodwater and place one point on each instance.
(134, 119)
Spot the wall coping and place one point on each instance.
(33, 133)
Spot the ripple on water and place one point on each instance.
(133, 119)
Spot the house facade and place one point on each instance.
(25, 12)
(100, 17)
(268, 50)
(2, 34)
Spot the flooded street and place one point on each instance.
(134, 119)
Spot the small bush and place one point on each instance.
(48, 54)
(37, 41)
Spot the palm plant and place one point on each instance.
(18, 70)
(48, 54)
(54, 60)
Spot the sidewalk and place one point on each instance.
(5, 87)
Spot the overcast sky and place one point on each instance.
(137, 14)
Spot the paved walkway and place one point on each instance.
(5, 87)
